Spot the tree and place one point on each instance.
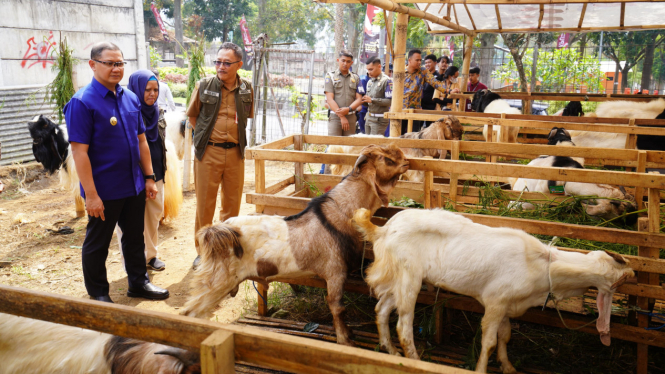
(177, 12)
(517, 44)
(220, 17)
(486, 55)
(339, 28)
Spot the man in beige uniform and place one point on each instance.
(342, 97)
(218, 111)
(378, 98)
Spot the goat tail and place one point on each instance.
(362, 218)
(172, 183)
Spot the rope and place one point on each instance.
(257, 291)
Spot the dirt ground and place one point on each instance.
(33, 257)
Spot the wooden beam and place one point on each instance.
(569, 97)
(579, 24)
(623, 14)
(252, 345)
(540, 17)
(389, 16)
(466, 65)
(498, 15)
(563, 29)
(217, 353)
(399, 74)
(471, 18)
(455, 12)
(277, 144)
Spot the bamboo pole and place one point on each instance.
(398, 72)
(468, 51)
(390, 18)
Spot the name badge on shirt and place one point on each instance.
(211, 93)
(244, 92)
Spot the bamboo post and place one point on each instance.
(217, 353)
(390, 17)
(398, 72)
(186, 185)
(468, 51)
(490, 139)
(452, 193)
(260, 180)
(409, 123)
(299, 171)
(428, 184)
(504, 134)
(631, 140)
(641, 168)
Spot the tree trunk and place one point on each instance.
(582, 45)
(616, 76)
(624, 76)
(339, 28)
(648, 63)
(351, 31)
(486, 57)
(177, 14)
(534, 68)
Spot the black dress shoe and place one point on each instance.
(148, 291)
(156, 264)
(105, 298)
(196, 263)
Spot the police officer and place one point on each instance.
(342, 97)
(218, 111)
(362, 114)
(378, 98)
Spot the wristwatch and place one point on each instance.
(151, 176)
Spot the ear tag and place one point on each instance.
(557, 190)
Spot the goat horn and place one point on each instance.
(617, 257)
(622, 189)
(362, 158)
(566, 132)
(552, 132)
(186, 357)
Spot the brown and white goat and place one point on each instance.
(320, 240)
(446, 128)
(506, 270)
(33, 346)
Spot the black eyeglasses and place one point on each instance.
(113, 64)
(225, 64)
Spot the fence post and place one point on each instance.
(299, 172)
(428, 183)
(309, 94)
(398, 74)
(452, 192)
(218, 353)
(641, 168)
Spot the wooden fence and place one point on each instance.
(220, 345)
(644, 291)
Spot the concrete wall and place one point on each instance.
(28, 29)
(25, 57)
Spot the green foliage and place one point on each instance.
(178, 90)
(246, 74)
(300, 102)
(220, 17)
(155, 57)
(196, 58)
(407, 203)
(556, 69)
(416, 32)
(61, 90)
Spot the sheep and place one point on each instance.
(320, 240)
(617, 201)
(52, 149)
(446, 128)
(486, 101)
(506, 270)
(33, 346)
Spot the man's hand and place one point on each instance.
(150, 190)
(367, 99)
(341, 112)
(94, 206)
(345, 123)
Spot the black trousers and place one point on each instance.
(128, 213)
(405, 126)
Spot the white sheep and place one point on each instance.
(486, 101)
(320, 240)
(34, 346)
(506, 270)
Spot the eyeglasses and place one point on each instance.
(113, 64)
(225, 64)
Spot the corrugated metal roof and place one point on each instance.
(19, 105)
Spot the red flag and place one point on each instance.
(562, 40)
(246, 38)
(158, 18)
(371, 34)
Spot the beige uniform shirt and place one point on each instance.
(380, 89)
(344, 87)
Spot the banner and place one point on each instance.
(158, 18)
(562, 40)
(246, 38)
(371, 35)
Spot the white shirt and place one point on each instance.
(165, 99)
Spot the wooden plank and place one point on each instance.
(498, 15)
(561, 29)
(259, 180)
(280, 186)
(252, 345)
(277, 144)
(623, 14)
(540, 22)
(262, 299)
(579, 24)
(429, 181)
(454, 155)
(299, 172)
(217, 353)
(641, 168)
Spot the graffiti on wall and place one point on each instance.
(38, 53)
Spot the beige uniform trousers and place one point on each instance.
(154, 210)
(376, 125)
(218, 166)
(335, 125)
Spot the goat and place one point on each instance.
(52, 149)
(446, 128)
(486, 101)
(572, 109)
(175, 131)
(320, 240)
(33, 346)
(506, 270)
(617, 201)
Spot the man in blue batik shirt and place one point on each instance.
(113, 162)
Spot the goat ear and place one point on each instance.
(566, 132)
(448, 129)
(361, 160)
(552, 132)
(617, 257)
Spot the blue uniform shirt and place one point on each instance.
(113, 149)
(362, 90)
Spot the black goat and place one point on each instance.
(652, 142)
(559, 135)
(49, 145)
(573, 109)
(483, 98)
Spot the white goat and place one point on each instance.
(506, 270)
(486, 101)
(33, 346)
(175, 131)
(320, 240)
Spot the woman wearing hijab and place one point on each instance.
(450, 77)
(145, 85)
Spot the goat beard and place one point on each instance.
(381, 190)
(604, 302)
